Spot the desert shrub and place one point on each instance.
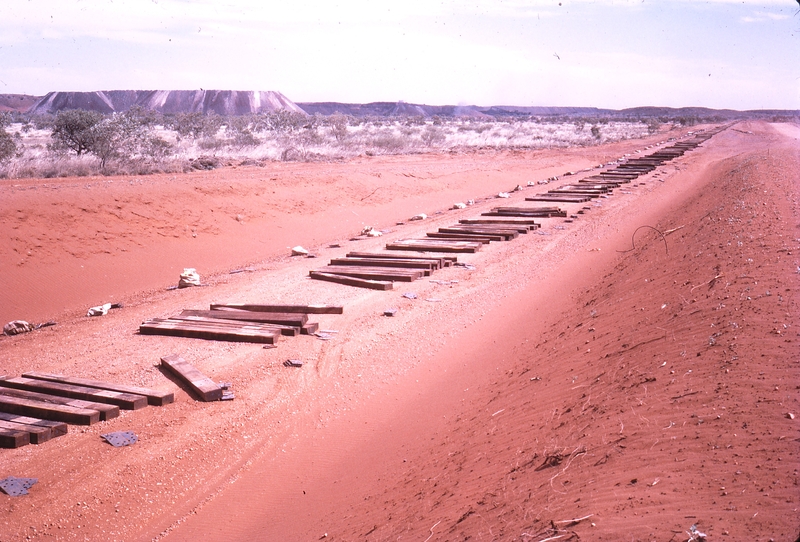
(195, 124)
(433, 136)
(388, 142)
(204, 162)
(210, 143)
(239, 131)
(596, 132)
(653, 125)
(8, 147)
(245, 138)
(282, 121)
(44, 121)
(338, 124)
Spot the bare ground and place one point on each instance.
(596, 371)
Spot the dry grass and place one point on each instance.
(320, 139)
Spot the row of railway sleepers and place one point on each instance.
(468, 236)
(633, 168)
(379, 271)
(37, 407)
(573, 193)
(461, 237)
(603, 183)
(254, 323)
(660, 157)
(525, 212)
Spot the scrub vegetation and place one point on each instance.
(140, 141)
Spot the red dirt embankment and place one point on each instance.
(74, 243)
(596, 371)
(657, 398)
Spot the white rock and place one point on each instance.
(421, 216)
(459, 206)
(299, 251)
(100, 310)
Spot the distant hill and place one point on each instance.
(235, 102)
(17, 102)
(221, 102)
(637, 112)
(390, 109)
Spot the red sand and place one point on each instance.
(569, 375)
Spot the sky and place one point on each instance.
(737, 54)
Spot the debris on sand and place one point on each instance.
(120, 438)
(189, 277)
(694, 534)
(369, 231)
(102, 310)
(16, 487)
(299, 251)
(15, 327)
(421, 216)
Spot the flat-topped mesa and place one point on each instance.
(221, 102)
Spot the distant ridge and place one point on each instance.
(390, 109)
(17, 102)
(221, 102)
(237, 102)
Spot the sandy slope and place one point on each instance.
(562, 378)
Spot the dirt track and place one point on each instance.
(562, 378)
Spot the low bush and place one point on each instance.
(140, 141)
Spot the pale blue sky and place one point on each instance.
(740, 54)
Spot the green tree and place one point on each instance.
(338, 123)
(196, 124)
(8, 147)
(121, 136)
(75, 130)
(128, 136)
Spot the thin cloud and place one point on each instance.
(763, 17)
